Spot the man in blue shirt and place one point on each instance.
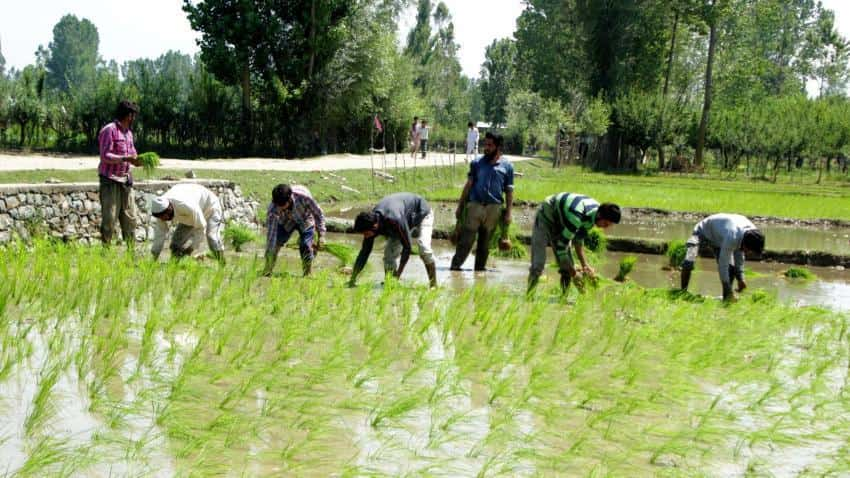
(490, 178)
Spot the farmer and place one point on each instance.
(197, 212)
(561, 220)
(400, 217)
(471, 141)
(293, 208)
(732, 237)
(117, 154)
(490, 177)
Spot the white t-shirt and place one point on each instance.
(423, 132)
(472, 137)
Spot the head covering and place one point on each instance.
(158, 204)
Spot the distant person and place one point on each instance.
(293, 208)
(471, 142)
(197, 212)
(117, 155)
(424, 131)
(414, 137)
(401, 218)
(732, 237)
(562, 220)
(489, 186)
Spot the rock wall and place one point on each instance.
(71, 211)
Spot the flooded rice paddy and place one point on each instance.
(113, 365)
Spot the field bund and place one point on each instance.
(72, 211)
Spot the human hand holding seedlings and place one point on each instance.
(133, 159)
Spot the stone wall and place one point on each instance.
(71, 211)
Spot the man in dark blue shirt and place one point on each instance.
(490, 178)
(401, 217)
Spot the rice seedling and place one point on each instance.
(150, 161)
(799, 273)
(676, 251)
(505, 242)
(343, 252)
(237, 235)
(627, 264)
(596, 241)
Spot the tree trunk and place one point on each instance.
(706, 108)
(666, 89)
(247, 120)
(606, 156)
(312, 40)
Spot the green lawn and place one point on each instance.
(792, 197)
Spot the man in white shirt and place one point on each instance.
(471, 142)
(423, 138)
(197, 212)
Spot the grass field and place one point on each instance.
(115, 365)
(792, 197)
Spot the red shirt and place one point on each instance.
(115, 144)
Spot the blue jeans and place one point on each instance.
(305, 241)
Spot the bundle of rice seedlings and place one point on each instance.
(505, 242)
(676, 252)
(799, 273)
(627, 264)
(238, 235)
(343, 252)
(596, 241)
(150, 161)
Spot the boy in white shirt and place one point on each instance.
(471, 142)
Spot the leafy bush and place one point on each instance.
(238, 235)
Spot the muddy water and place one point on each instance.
(779, 237)
(832, 289)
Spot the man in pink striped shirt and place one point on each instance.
(117, 154)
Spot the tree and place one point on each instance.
(73, 57)
(712, 16)
(496, 77)
(2, 62)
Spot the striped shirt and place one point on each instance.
(570, 215)
(304, 214)
(114, 145)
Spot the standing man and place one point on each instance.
(490, 177)
(561, 220)
(732, 237)
(197, 212)
(423, 138)
(293, 208)
(400, 217)
(117, 154)
(414, 137)
(471, 142)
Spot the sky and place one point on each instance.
(148, 28)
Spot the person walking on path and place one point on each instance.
(414, 137)
(472, 138)
(481, 203)
(424, 131)
(293, 208)
(197, 212)
(117, 155)
(732, 237)
(401, 217)
(564, 219)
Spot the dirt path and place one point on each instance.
(337, 162)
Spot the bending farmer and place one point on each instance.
(400, 217)
(490, 177)
(732, 236)
(563, 219)
(293, 208)
(197, 212)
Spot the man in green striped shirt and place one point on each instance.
(563, 219)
